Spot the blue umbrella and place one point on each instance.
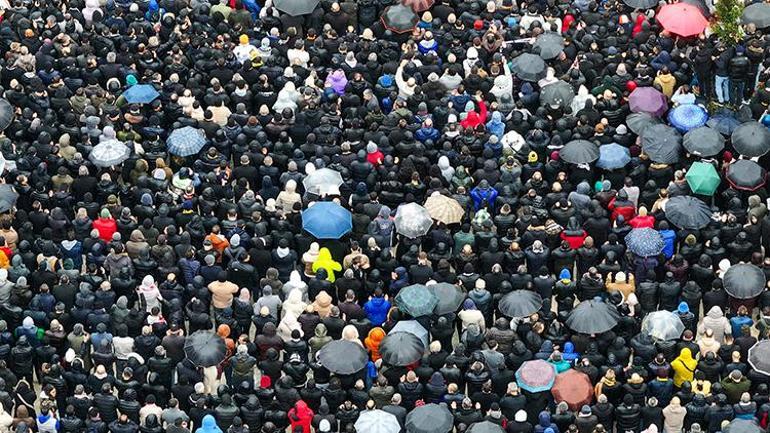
(327, 220)
(613, 156)
(688, 116)
(185, 141)
(644, 242)
(140, 94)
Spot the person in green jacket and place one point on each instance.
(734, 385)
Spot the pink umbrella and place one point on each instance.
(682, 19)
(648, 100)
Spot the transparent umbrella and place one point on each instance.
(663, 325)
(377, 421)
(413, 220)
(322, 181)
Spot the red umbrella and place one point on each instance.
(574, 388)
(419, 5)
(682, 19)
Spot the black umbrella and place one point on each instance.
(550, 44)
(638, 122)
(746, 175)
(701, 6)
(401, 348)
(687, 212)
(759, 357)
(751, 139)
(343, 357)
(641, 4)
(703, 141)
(592, 317)
(528, 67)
(579, 152)
(399, 18)
(557, 94)
(520, 303)
(8, 197)
(429, 418)
(744, 281)
(450, 297)
(205, 348)
(6, 114)
(662, 144)
(485, 427)
(296, 8)
(757, 14)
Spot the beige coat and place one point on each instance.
(222, 293)
(673, 416)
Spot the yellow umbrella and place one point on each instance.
(444, 209)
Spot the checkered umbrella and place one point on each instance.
(416, 300)
(109, 153)
(185, 141)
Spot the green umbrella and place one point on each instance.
(703, 178)
(416, 300)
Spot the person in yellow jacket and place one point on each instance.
(684, 367)
(325, 261)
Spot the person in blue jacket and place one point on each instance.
(669, 239)
(209, 425)
(377, 308)
(483, 195)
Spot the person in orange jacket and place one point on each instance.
(372, 342)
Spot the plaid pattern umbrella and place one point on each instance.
(644, 242)
(444, 209)
(140, 94)
(648, 100)
(185, 141)
(399, 18)
(574, 388)
(109, 153)
(536, 375)
(413, 220)
(703, 178)
(663, 325)
(687, 116)
(416, 300)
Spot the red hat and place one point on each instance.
(478, 24)
(555, 155)
(265, 382)
(631, 85)
(727, 156)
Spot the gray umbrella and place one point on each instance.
(296, 7)
(550, 44)
(205, 348)
(109, 153)
(323, 181)
(557, 94)
(751, 139)
(343, 357)
(641, 4)
(744, 281)
(429, 418)
(757, 14)
(528, 67)
(6, 114)
(413, 327)
(662, 144)
(579, 152)
(592, 317)
(520, 303)
(637, 122)
(450, 297)
(8, 197)
(401, 348)
(703, 141)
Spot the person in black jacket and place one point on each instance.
(739, 70)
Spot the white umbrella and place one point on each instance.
(413, 220)
(663, 325)
(109, 153)
(377, 421)
(323, 181)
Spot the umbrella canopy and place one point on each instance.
(401, 349)
(574, 388)
(746, 175)
(429, 418)
(109, 153)
(592, 317)
(520, 303)
(8, 197)
(550, 44)
(663, 325)
(701, 5)
(703, 141)
(687, 116)
(399, 18)
(416, 300)
(322, 181)
(759, 357)
(682, 19)
(637, 122)
(450, 297)
(744, 281)
(343, 357)
(641, 4)
(648, 100)
(579, 152)
(413, 327)
(724, 122)
(6, 114)
(687, 212)
(140, 94)
(751, 139)
(528, 67)
(444, 209)
(185, 141)
(485, 427)
(514, 140)
(644, 242)
(413, 220)
(703, 178)
(296, 8)
(757, 14)
(327, 220)
(377, 421)
(536, 375)
(662, 144)
(205, 348)
(557, 94)
(419, 5)
(613, 156)
(743, 426)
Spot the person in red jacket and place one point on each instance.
(474, 119)
(300, 416)
(621, 205)
(642, 220)
(106, 225)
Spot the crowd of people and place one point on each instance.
(108, 268)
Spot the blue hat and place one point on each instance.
(565, 275)
(469, 304)
(187, 205)
(386, 80)
(683, 308)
